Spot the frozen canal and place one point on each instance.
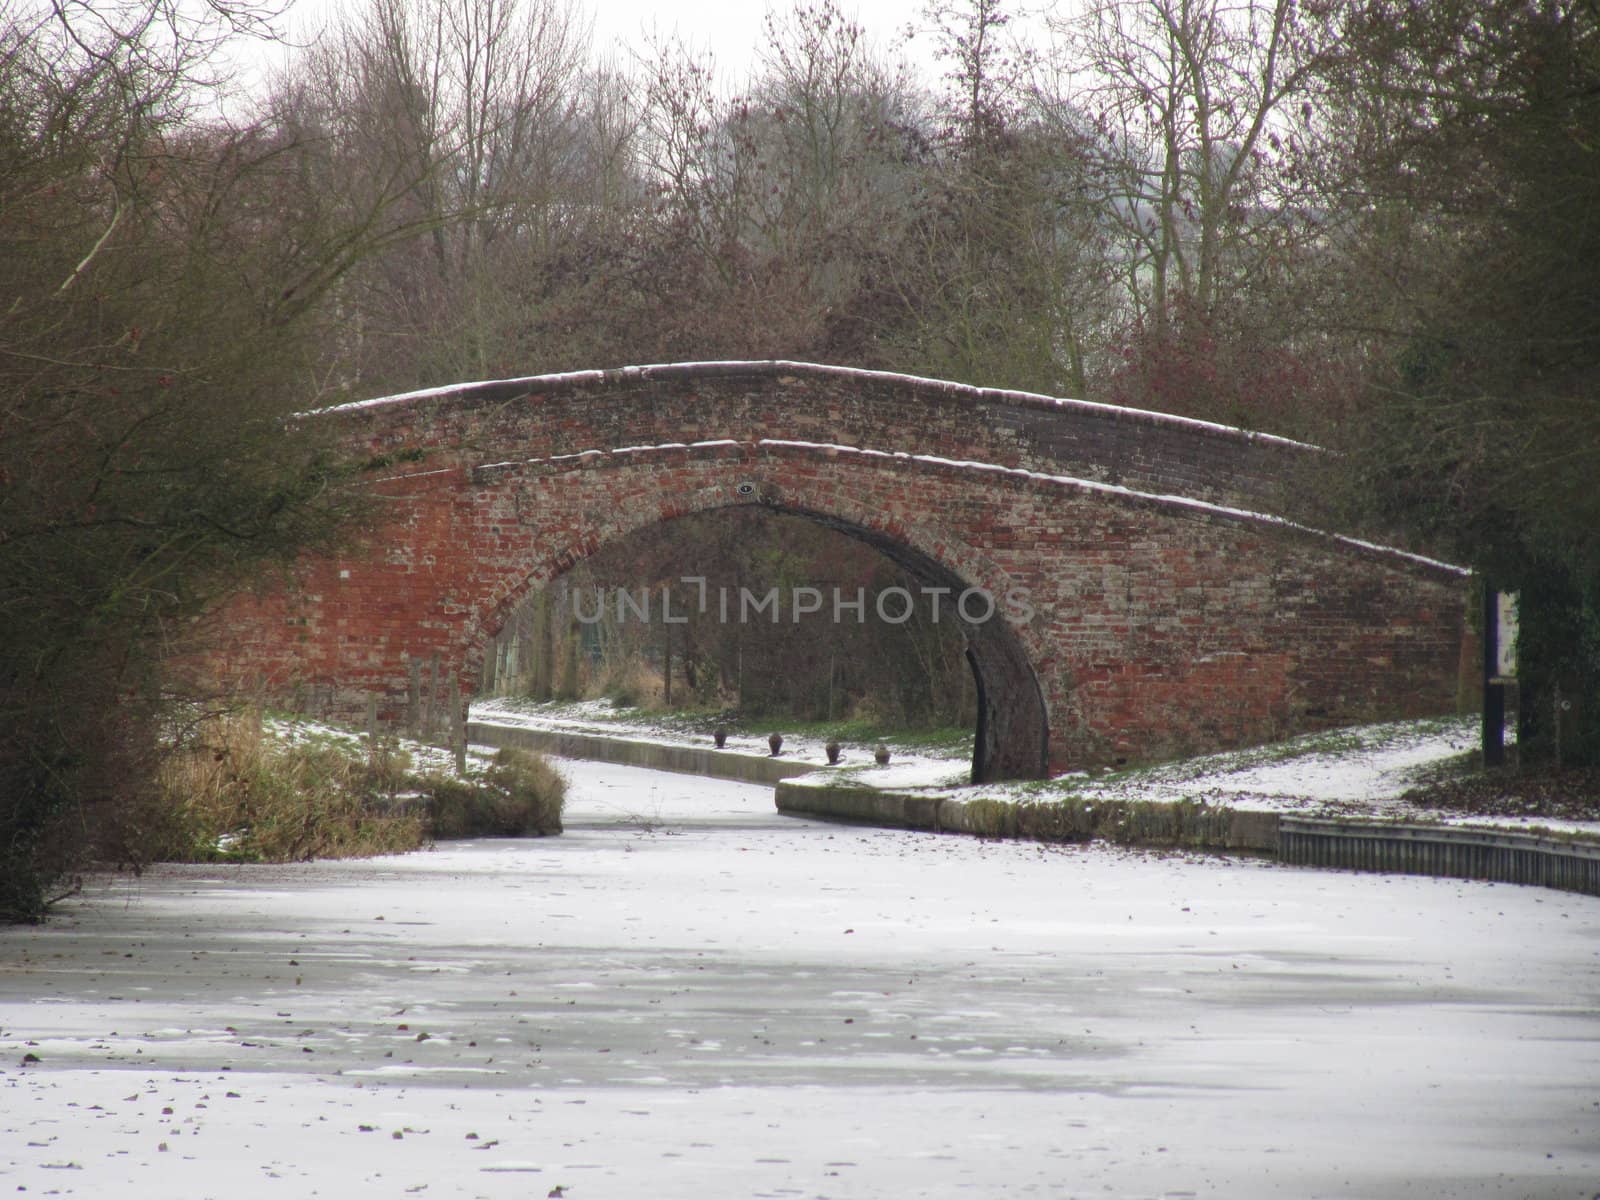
(690, 996)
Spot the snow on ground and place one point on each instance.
(1361, 772)
(1358, 772)
(1367, 765)
(909, 766)
(299, 730)
(687, 995)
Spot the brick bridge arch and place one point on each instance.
(665, 483)
(1168, 604)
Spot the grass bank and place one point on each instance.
(244, 788)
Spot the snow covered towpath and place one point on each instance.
(688, 995)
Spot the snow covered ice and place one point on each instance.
(687, 995)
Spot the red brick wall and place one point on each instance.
(634, 406)
(1160, 627)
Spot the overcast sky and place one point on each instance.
(731, 29)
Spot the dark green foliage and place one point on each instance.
(1485, 441)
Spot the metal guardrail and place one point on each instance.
(1459, 852)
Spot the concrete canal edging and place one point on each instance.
(1568, 863)
(658, 756)
(1145, 822)
(1542, 859)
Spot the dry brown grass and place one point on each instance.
(520, 795)
(230, 793)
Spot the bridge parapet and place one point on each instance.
(548, 416)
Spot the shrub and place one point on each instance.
(228, 793)
(629, 683)
(320, 802)
(520, 795)
(454, 805)
(536, 790)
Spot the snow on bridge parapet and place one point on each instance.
(541, 385)
(549, 416)
(488, 472)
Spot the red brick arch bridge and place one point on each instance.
(1170, 605)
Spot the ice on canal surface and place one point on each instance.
(687, 995)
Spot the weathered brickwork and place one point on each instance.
(646, 406)
(1158, 627)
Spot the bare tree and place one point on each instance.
(1196, 105)
(1472, 172)
(476, 110)
(785, 198)
(159, 269)
(1000, 278)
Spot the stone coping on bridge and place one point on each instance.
(500, 390)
